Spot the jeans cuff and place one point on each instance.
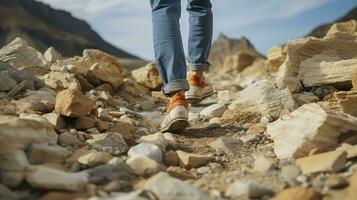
(198, 66)
(174, 86)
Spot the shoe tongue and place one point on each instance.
(177, 100)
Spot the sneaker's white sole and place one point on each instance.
(176, 126)
(194, 99)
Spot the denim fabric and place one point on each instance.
(169, 53)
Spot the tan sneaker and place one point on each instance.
(199, 89)
(177, 118)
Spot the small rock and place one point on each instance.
(51, 55)
(250, 138)
(332, 161)
(112, 143)
(69, 139)
(82, 123)
(12, 167)
(7, 83)
(48, 178)
(143, 165)
(299, 193)
(203, 170)
(104, 115)
(193, 116)
(178, 172)
(44, 153)
(157, 138)
(103, 125)
(171, 159)
(148, 76)
(115, 169)
(93, 159)
(336, 182)
(215, 110)
(190, 160)
(72, 103)
(146, 149)
(263, 164)
(170, 138)
(251, 189)
(166, 187)
(289, 174)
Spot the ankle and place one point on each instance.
(199, 74)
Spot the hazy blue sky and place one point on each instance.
(127, 23)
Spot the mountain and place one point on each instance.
(321, 30)
(42, 26)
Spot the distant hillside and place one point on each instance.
(321, 30)
(43, 26)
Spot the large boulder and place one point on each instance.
(19, 54)
(263, 97)
(307, 128)
(148, 76)
(16, 133)
(340, 46)
(72, 103)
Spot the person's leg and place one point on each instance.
(199, 46)
(169, 53)
(200, 34)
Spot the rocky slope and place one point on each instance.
(43, 26)
(321, 30)
(85, 128)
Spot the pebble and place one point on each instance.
(251, 189)
(203, 170)
(250, 138)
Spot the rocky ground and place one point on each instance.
(282, 127)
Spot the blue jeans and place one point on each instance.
(169, 53)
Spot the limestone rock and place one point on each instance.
(299, 193)
(19, 54)
(263, 164)
(48, 178)
(251, 189)
(215, 110)
(147, 149)
(342, 46)
(51, 55)
(289, 174)
(347, 27)
(148, 76)
(276, 57)
(265, 98)
(93, 159)
(72, 103)
(18, 133)
(82, 123)
(143, 165)
(41, 153)
(69, 139)
(190, 160)
(259, 70)
(166, 187)
(104, 67)
(332, 161)
(318, 71)
(347, 102)
(308, 127)
(109, 142)
(61, 81)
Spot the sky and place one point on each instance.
(127, 23)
